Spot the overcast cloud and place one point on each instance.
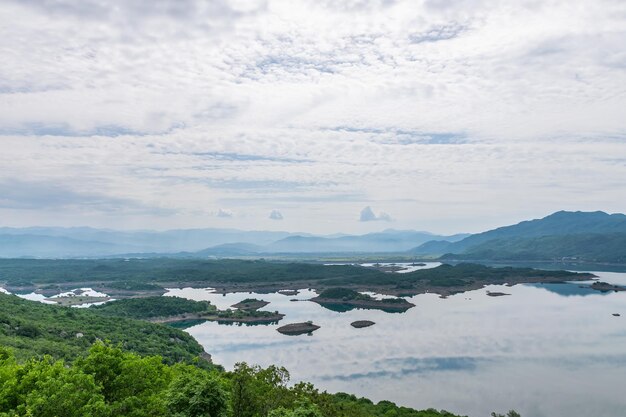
(452, 115)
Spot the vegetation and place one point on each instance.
(45, 370)
(34, 329)
(344, 294)
(103, 274)
(250, 304)
(175, 309)
(109, 382)
(246, 315)
(19, 272)
(151, 307)
(610, 247)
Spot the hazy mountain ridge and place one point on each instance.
(88, 242)
(386, 241)
(85, 241)
(591, 236)
(591, 247)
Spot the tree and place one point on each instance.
(47, 388)
(131, 385)
(196, 393)
(511, 413)
(8, 380)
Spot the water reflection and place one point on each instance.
(544, 350)
(569, 289)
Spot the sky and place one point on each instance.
(310, 115)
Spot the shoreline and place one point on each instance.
(391, 289)
(274, 317)
(367, 304)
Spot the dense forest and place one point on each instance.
(150, 307)
(33, 329)
(108, 381)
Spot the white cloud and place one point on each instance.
(453, 115)
(368, 215)
(224, 213)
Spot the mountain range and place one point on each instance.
(589, 236)
(58, 242)
(586, 236)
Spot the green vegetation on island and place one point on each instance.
(250, 304)
(176, 309)
(347, 297)
(240, 275)
(151, 307)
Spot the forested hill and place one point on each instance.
(590, 236)
(609, 248)
(36, 329)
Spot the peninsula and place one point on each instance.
(175, 309)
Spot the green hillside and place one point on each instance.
(150, 307)
(582, 247)
(589, 236)
(34, 329)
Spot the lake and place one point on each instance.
(544, 350)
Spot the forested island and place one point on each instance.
(347, 297)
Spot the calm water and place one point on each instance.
(545, 350)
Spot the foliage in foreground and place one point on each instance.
(110, 382)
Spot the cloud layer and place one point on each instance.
(453, 115)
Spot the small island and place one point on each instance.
(250, 304)
(295, 329)
(362, 323)
(606, 287)
(76, 300)
(351, 298)
(288, 292)
(496, 294)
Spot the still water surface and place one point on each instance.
(545, 350)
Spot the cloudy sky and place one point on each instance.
(310, 115)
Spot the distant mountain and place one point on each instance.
(432, 247)
(387, 241)
(15, 246)
(591, 247)
(57, 242)
(586, 235)
(155, 241)
(231, 249)
(84, 241)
